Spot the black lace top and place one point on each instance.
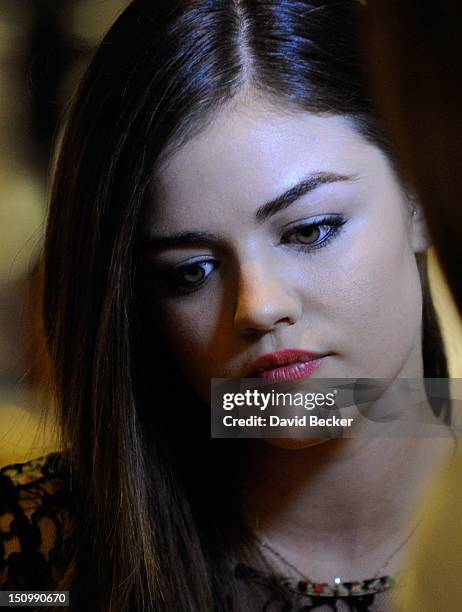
(34, 524)
(35, 545)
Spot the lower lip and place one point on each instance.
(292, 371)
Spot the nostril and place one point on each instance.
(264, 302)
(256, 326)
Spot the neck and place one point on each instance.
(342, 506)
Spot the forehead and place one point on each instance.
(244, 156)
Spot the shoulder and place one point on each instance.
(35, 523)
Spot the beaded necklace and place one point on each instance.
(339, 588)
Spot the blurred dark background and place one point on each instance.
(44, 47)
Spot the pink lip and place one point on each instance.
(287, 365)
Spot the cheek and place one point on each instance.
(377, 302)
(191, 329)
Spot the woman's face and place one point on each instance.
(331, 271)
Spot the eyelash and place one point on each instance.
(333, 222)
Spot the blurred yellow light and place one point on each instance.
(451, 323)
(22, 434)
(22, 212)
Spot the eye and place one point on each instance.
(309, 234)
(195, 273)
(314, 234)
(187, 278)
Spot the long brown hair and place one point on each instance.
(157, 522)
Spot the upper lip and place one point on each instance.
(282, 358)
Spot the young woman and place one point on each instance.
(223, 190)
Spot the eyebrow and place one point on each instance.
(264, 212)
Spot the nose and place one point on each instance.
(264, 303)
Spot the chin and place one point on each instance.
(295, 443)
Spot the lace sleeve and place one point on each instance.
(34, 523)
